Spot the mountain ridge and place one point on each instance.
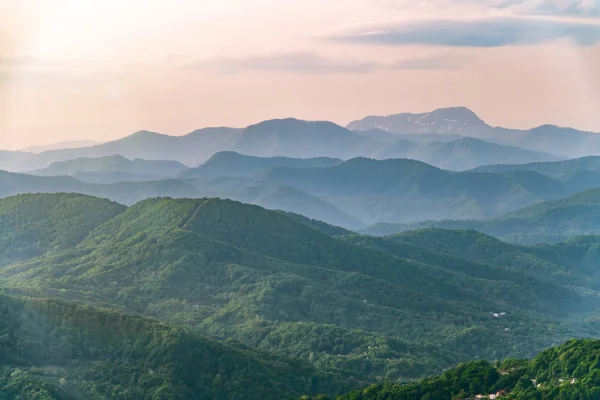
(288, 137)
(550, 221)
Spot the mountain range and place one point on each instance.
(351, 193)
(563, 170)
(440, 141)
(564, 142)
(413, 256)
(406, 190)
(233, 164)
(454, 120)
(551, 221)
(112, 169)
(74, 144)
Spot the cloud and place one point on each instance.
(483, 32)
(438, 62)
(32, 71)
(557, 8)
(566, 8)
(311, 63)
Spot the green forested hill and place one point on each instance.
(331, 230)
(55, 350)
(32, 225)
(569, 371)
(378, 309)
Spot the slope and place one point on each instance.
(15, 160)
(276, 284)
(296, 138)
(453, 120)
(569, 371)
(158, 169)
(561, 170)
(122, 192)
(286, 198)
(331, 230)
(550, 221)
(289, 138)
(399, 190)
(74, 144)
(32, 225)
(305, 139)
(550, 139)
(467, 153)
(77, 351)
(350, 193)
(556, 263)
(230, 163)
(568, 142)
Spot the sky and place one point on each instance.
(102, 69)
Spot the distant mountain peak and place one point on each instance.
(282, 123)
(144, 133)
(75, 144)
(450, 120)
(452, 114)
(226, 154)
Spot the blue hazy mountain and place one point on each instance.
(295, 138)
(563, 142)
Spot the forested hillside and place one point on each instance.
(32, 225)
(376, 309)
(55, 350)
(569, 371)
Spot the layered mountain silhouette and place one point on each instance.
(563, 142)
(230, 163)
(550, 221)
(113, 169)
(346, 193)
(294, 138)
(562, 170)
(293, 258)
(74, 144)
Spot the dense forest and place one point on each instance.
(54, 350)
(266, 304)
(567, 372)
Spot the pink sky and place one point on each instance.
(100, 70)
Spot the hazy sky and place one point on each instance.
(102, 69)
